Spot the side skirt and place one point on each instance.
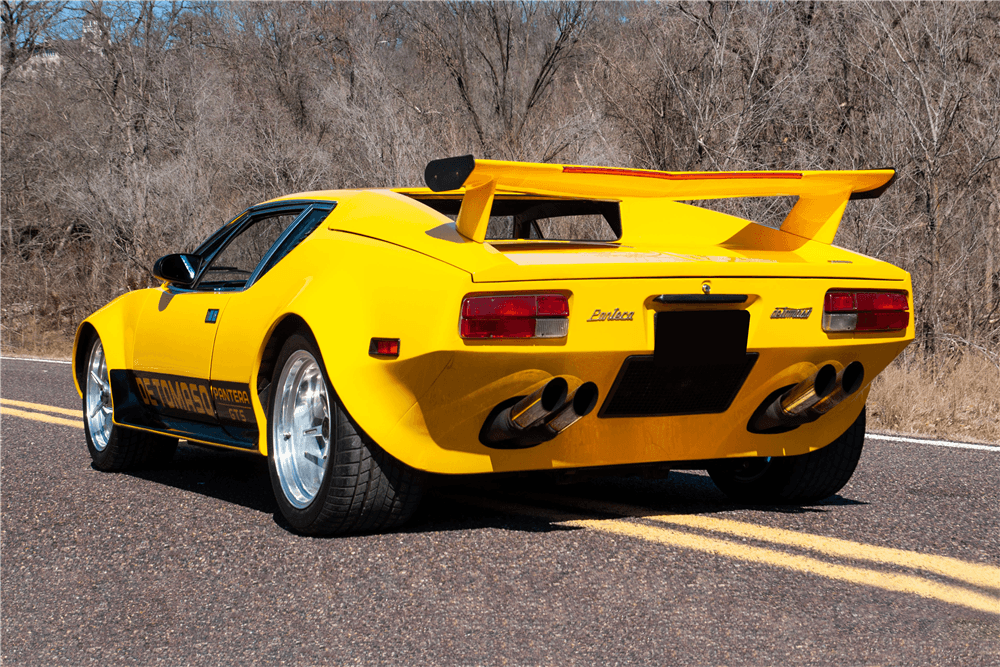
(211, 413)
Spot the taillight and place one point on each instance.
(515, 316)
(850, 312)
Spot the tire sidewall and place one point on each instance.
(103, 460)
(302, 519)
(765, 487)
(800, 479)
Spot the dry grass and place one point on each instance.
(958, 401)
(31, 339)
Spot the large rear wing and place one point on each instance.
(823, 195)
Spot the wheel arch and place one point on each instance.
(115, 325)
(85, 334)
(287, 325)
(283, 328)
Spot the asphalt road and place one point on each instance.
(191, 565)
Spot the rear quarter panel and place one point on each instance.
(349, 288)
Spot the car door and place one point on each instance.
(175, 337)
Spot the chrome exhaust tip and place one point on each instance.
(796, 402)
(580, 404)
(508, 424)
(519, 423)
(809, 400)
(849, 381)
(532, 409)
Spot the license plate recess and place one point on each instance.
(701, 337)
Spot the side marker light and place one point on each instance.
(384, 347)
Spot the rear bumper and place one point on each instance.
(440, 432)
(428, 407)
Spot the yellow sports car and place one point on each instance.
(508, 317)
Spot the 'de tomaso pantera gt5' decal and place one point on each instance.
(192, 398)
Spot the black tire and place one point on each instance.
(113, 447)
(793, 480)
(362, 488)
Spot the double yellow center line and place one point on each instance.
(702, 533)
(41, 413)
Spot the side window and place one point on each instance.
(302, 230)
(234, 264)
(218, 237)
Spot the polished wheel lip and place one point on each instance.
(300, 429)
(97, 405)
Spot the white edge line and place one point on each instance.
(48, 361)
(873, 436)
(936, 443)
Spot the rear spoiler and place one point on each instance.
(823, 195)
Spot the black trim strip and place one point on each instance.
(186, 407)
(700, 298)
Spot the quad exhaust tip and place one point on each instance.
(809, 400)
(581, 403)
(519, 423)
(534, 408)
(848, 382)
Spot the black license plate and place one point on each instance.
(701, 337)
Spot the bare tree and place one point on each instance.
(504, 59)
(27, 24)
(158, 121)
(927, 70)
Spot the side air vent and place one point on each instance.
(644, 390)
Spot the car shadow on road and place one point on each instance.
(233, 477)
(536, 504)
(529, 503)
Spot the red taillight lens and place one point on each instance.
(850, 312)
(880, 301)
(499, 306)
(515, 316)
(839, 302)
(552, 305)
(868, 321)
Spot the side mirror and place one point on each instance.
(178, 269)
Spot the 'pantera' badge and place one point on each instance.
(613, 316)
